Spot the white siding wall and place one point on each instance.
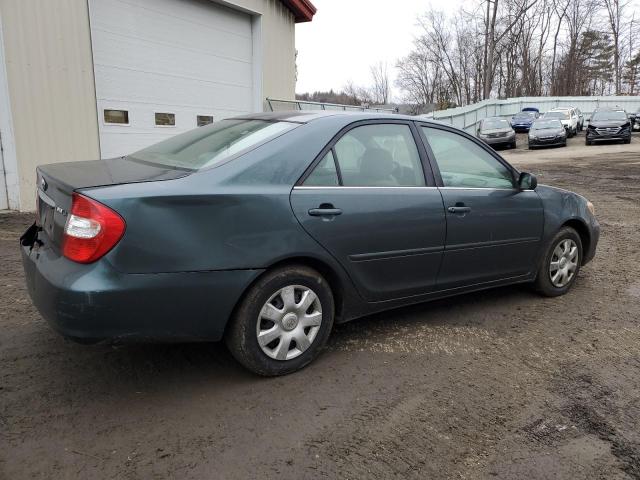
(49, 73)
(49, 93)
(188, 57)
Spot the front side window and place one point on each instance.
(212, 144)
(463, 163)
(380, 155)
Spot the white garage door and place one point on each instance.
(164, 62)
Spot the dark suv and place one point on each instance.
(608, 124)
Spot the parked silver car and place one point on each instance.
(496, 131)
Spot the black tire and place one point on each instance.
(564, 144)
(241, 335)
(513, 145)
(587, 141)
(627, 141)
(543, 283)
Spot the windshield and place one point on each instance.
(211, 145)
(609, 116)
(559, 115)
(493, 123)
(542, 124)
(524, 115)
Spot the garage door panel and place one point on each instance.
(163, 19)
(163, 34)
(199, 43)
(125, 139)
(166, 90)
(186, 57)
(172, 61)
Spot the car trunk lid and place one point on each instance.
(57, 182)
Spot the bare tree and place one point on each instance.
(615, 11)
(381, 86)
(560, 8)
(493, 36)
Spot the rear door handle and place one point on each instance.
(459, 209)
(321, 212)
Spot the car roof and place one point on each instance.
(561, 109)
(301, 116)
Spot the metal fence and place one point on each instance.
(468, 117)
(275, 105)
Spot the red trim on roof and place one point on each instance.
(303, 10)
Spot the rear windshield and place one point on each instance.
(609, 116)
(542, 124)
(213, 144)
(560, 115)
(525, 115)
(493, 123)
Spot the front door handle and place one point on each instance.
(459, 209)
(325, 210)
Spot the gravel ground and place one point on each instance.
(499, 384)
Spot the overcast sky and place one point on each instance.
(346, 37)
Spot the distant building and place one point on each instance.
(87, 79)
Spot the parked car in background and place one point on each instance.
(522, 121)
(607, 124)
(496, 131)
(266, 229)
(634, 118)
(567, 116)
(580, 118)
(546, 132)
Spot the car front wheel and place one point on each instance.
(283, 322)
(559, 267)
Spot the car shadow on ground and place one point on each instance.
(135, 366)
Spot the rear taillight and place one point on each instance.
(92, 229)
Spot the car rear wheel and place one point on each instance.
(283, 322)
(587, 141)
(558, 269)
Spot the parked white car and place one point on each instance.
(569, 118)
(580, 118)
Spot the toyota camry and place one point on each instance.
(267, 229)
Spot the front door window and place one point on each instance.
(463, 163)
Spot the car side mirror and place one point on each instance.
(527, 181)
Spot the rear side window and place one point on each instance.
(325, 174)
(212, 144)
(380, 155)
(464, 164)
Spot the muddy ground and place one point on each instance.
(500, 384)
